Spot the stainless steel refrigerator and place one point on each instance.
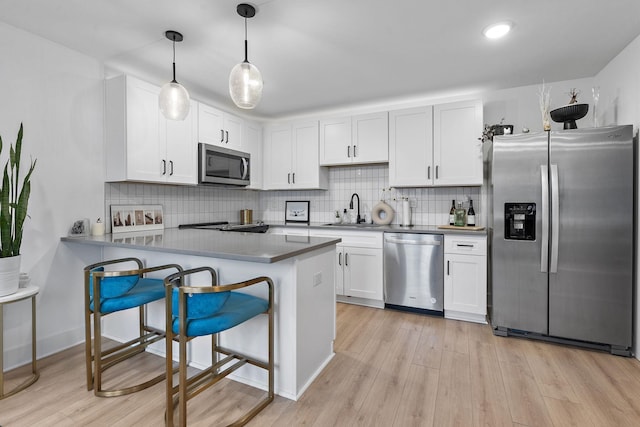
(562, 227)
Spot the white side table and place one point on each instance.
(22, 294)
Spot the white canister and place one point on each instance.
(97, 228)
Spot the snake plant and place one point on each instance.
(13, 200)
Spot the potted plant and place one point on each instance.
(13, 211)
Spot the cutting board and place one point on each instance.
(464, 227)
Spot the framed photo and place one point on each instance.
(136, 218)
(296, 211)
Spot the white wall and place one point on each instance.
(57, 94)
(619, 104)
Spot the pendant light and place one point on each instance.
(174, 99)
(245, 80)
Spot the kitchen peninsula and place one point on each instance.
(302, 269)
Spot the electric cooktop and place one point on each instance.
(225, 226)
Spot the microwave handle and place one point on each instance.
(245, 168)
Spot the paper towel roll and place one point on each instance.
(406, 213)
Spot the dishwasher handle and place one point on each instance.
(413, 242)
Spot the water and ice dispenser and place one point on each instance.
(520, 221)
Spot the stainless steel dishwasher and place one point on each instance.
(414, 272)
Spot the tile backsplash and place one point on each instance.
(183, 204)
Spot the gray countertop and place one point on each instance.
(422, 229)
(251, 247)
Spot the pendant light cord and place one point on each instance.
(246, 56)
(174, 60)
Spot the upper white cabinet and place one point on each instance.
(436, 146)
(291, 157)
(411, 147)
(141, 145)
(219, 128)
(354, 140)
(252, 143)
(457, 151)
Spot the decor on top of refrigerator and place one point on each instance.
(562, 236)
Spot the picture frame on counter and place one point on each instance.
(296, 211)
(126, 218)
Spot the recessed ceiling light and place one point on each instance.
(498, 30)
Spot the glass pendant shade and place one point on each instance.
(245, 85)
(174, 101)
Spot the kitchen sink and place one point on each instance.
(361, 225)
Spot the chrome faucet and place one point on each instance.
(358, 219)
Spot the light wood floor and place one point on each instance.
(390, 369)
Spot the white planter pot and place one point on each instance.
(9, 275)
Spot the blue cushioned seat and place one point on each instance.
(144, 291)
(113, 286)
(200, 305)
(238, 308)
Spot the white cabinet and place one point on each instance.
(465, 280)
(291, 157)
(355, 140)
(359, 269)
(219, 128)
(141, 145)
(457, 151)
(252, 144)
(436, 146)
(411, 147)
(361, 272)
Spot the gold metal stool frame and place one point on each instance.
(190, 387)
(98, 360)
(22, 294)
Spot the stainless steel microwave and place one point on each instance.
(223, 166)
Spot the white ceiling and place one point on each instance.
(316, 54)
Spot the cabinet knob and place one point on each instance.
(164, 167)
(171, 167)
(221, 135)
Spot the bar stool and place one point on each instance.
(107, 292)
(22, 294)
(193, 311)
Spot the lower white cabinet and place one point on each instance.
(359, 272)
(465, 279)
(359, 269)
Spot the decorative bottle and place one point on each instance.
(452, 213)
(471, 215)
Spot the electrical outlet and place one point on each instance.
(317, 279)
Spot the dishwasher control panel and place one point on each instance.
(520, 221)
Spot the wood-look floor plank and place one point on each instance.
(456, 336)
(595, 389)
(429, 350)
(418, 401)
(567, 413)
(453, 403)
(383, 399)
(548, 375)
(526, 403)
(489, 398)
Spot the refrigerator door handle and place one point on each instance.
(544, 250)
(555, 218)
